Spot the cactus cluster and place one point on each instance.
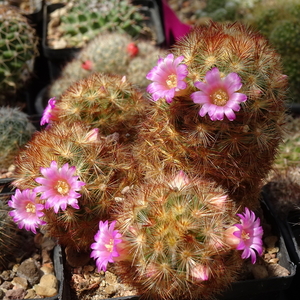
(110, 53)
(279, 23)
(15, 131)
(172, 175)
(18, 48)
(239, 153)
(80, 21)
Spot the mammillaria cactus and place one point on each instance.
(15, 131)
(175, 236)
(109, 53)
(226, 92)
(18, 45)
(107, 102)
(74, 173)
(80, 21)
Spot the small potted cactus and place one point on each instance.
(69, 27)
(19, 48)
(164, 189)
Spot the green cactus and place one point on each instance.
(82, 20)
(15, 131)
(279, 22)
(174, 240)
(101, 163)
(18, 48)
(108, 53)
(237, 154)
(107, 102)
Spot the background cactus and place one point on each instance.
(279, 22)
(15, 131)
(108, 53)
(174, 238)
(101, 163)
(80, 21)
(18, 48)
(8, 234)
(236, 154)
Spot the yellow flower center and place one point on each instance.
(172, 81)
(245, 235)
(219, 97)
(110, 246)
(62, 187)
(30, 208)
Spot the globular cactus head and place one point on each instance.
(80, 22)
(169, 239)
(74, 173)
(15, 131)
(226, 94)
(108, 102)
(18, 48)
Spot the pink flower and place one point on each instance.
(59, 186)
(179, 181)
(27, 211)
(218, 96)
(200, 272)
(48, 112)
(250, 235)
(168, 78)
(106, 246)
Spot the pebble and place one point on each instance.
(29, 270)
(15, 294)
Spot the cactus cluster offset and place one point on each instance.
(82, 20)
(18, 48)
(226, 92)
(100, 163)
(15, 131)
(109, 53)
(173, 237)
(107, 102)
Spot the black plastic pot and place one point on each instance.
(57, 58)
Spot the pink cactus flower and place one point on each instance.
(200, 272)
(27, 211)
(105, 249)
(48, 112)
(249, 233)
(168, 78)
(59, 186)
(219, 96)
(179, 181)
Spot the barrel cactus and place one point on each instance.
(15, 131)
(19, 48)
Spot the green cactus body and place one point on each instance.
(15, 131)
(100, 162)
(82, 21)
(107, 53)
(107, 102)
(236, 154)
(279, 22)
(18, 48)
(169, 232)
